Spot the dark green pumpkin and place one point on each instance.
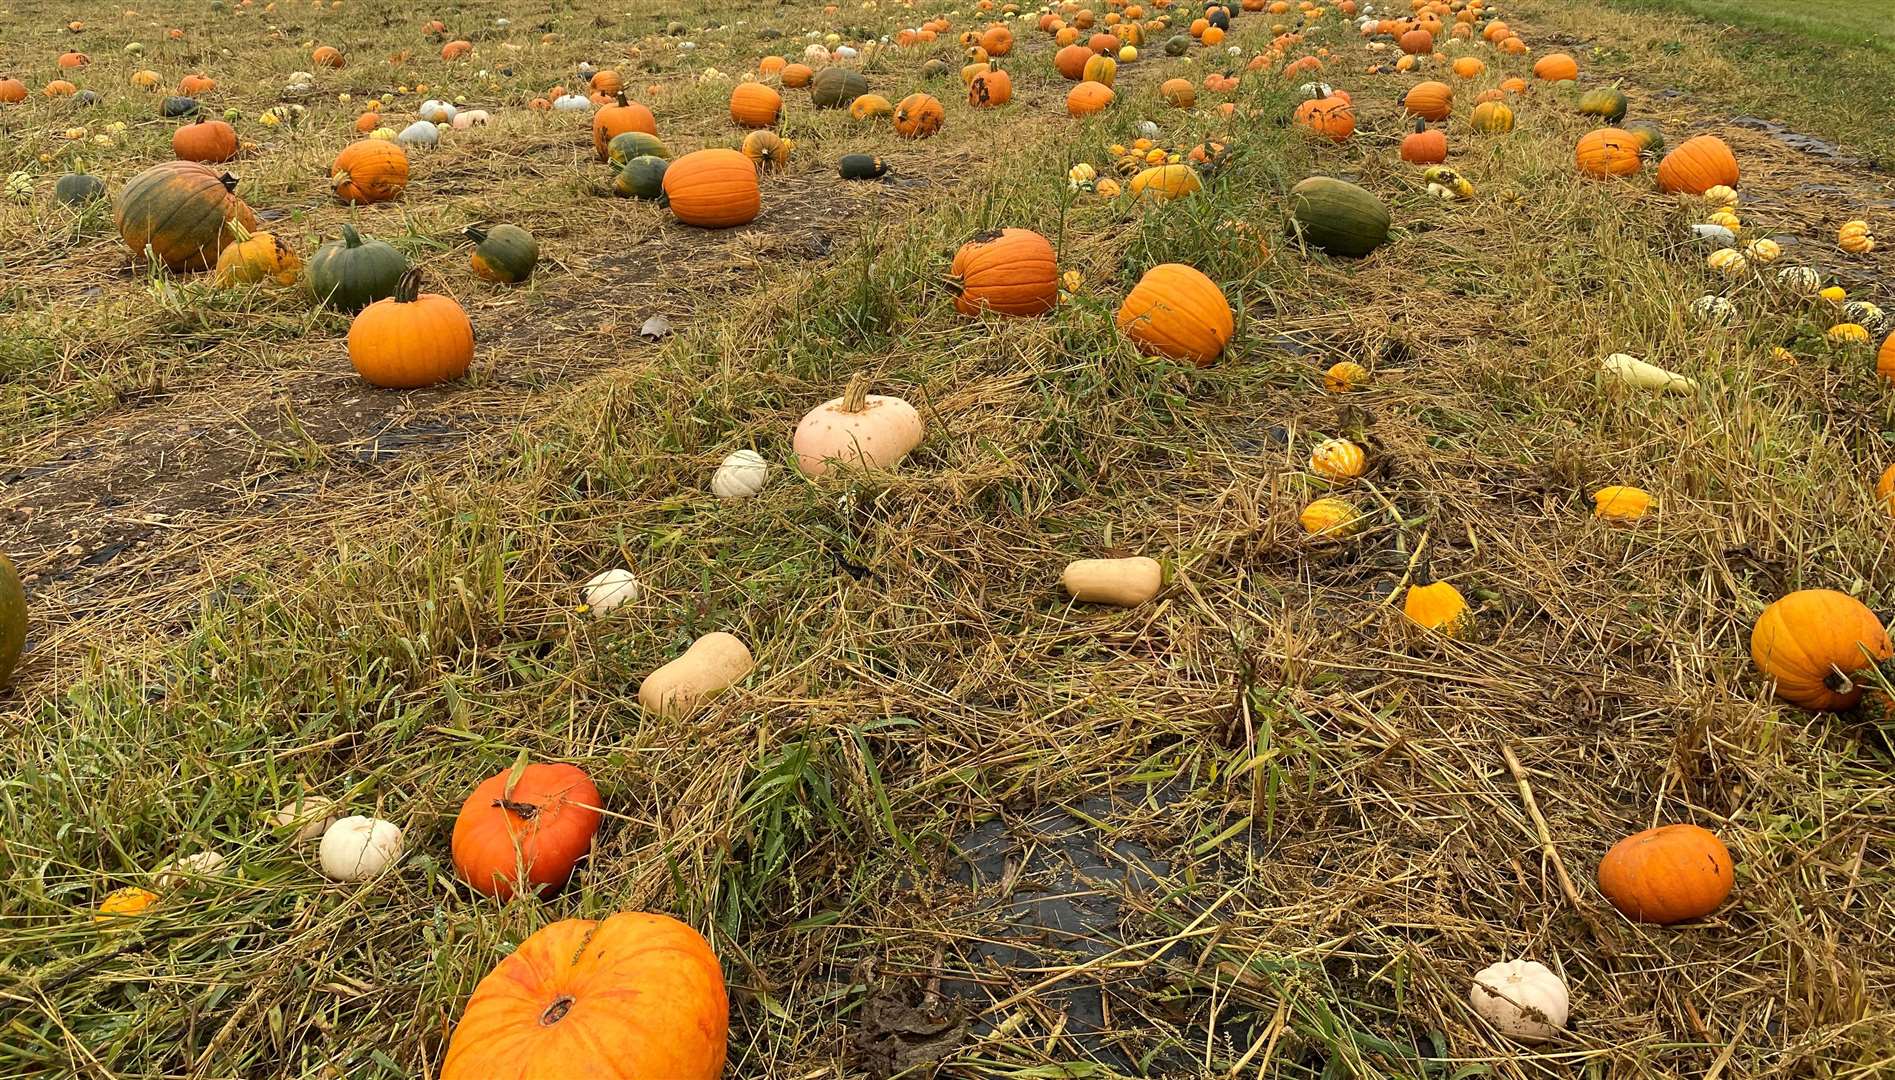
(1177, 45)
(78, 189)
(630, 144)
(505, 253)
(12, 618)
(1218, 17)
(352, 273)
(934, 69)
(641, 178)
(863, 167)
(1651, 140)
(1606, 102)
(178, 106)
(835, 87)
(1338, 217)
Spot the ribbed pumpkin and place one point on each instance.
(713, 189)
(532, 828)
(628, 145)
(1607, 152)
(1492, 117)
(836, 87)
(1100, 69)
(204, 140)
(1338, 217)
(1697, 165)
(797, 76)
(754, 105)
(617, 119)
(1013, 272)
(256, 257)
(1177, 312)
(641, 178)
(351, 273)
(181, 211)
(1606, 102)
(1424, 145)
(1668, 874)
(1164, 183)
(1333, 117)
(411, 339)
(12, 619)
(504, 254)
(1430, 100)
(990, 88)
(1814, 643)
(918, 116)
(369, 171)
(634, 997)
(871, 107)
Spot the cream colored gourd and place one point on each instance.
(357, 848)
(185, 869)
(1632, 371)
(1522, 999)
(1124, 582)
(856, 430)
(607, 590)
(712, 664)
(741, 475)
(307, 817)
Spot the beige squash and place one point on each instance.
(712, 664)
(1125, 582)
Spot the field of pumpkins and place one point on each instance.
(1291, 538)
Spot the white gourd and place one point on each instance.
(1522, 999)
(1632, 371)
(608, 590)
(358, 848)
(741, 475)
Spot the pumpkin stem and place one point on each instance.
(622, 100)
(409, 288)
(236, 229)
(351, 238)
(229, 182)
(1838, 681)
(528, 811)
(1420, 125)
(855, 398)
(556, 1011)
(475, 233)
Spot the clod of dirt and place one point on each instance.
(896, 1037)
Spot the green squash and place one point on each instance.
(1651, 140)
(12, 618)
(1177, 45)
(504, 254)
(934, 69)
(1338, 217)
(1606, 102)
(641, 178)
(352, 273)
(78, 189)
(835, 87)
(627, 145)
(863, 167)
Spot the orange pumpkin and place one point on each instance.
(1814, 643)
(533, 828)
(771, 65)
(754, 105)
(1698, 165)
(1430, 100)
(1468, 67)
(1071, 62)
(195, 84)
(1179, 93)
(1607, 152)
(411, 339)
(1417, 42)
(1013, 272)
(1885, 359)
(918, 116)
(12, 91)
(181, 212)
(797, 76)
(990, 88)
(1177, 312)
(997, 40)
(1088, 98)
(454, 50)
(1330, 116)
(617, 119)
(1424, 145)
(634, 997)
(1668, 874)
(326, 56)
(71, 60)
(608, 82)
(713, 189)
(369, 171)
(204, 140)
(1554, 67)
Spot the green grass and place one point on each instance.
(1861, 23)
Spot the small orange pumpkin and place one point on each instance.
(1668, 874)
(531, 828)
(1088, 98)
(918, 116)
(617, 119)
(204, 140)
(754, 105)
(1013, 272)
(1554, 67)
(369, 171)
(412, 338)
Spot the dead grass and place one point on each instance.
(1260, 826)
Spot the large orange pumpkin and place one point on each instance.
(1607, 152)
(1697, 165)
(535, 831)
(1813, 643)
(1668, 874)
(204, 140)
(1556, 66)
(617, 119)
(713, 189)
(1088, 98)
(1430, 100)
(369, 171)
(1071, 62)
(754, 105)
(1013, 272)
(918, 116)
(181, 212)
(1176, 311)
(637, 996)
(12, 91)
(412, 338)
(1330, 116)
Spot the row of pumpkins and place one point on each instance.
(528, 827)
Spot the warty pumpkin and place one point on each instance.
(856, 430)
(632, 997)
(1012, 272)
(369, 171)
(1177, 312)
(617, 119)
(918, 116)
(181, 212)
(504, 254)
(713, 189)
(754, 105)
(531, 828)
(204, 140)
(1330, 518)
(411, 339)
(351, 273)
(1697, 165)
(1815, 643)
(1667, 875)
(253, 257)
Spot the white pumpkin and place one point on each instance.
(471, 118)
(572, 103)
(845, 52)
(419, 133)
(1522, 999)
(305, 819)
(436, 112)
(358, 848)
(741, 475)
(1315, 91)
(1716, 236)
(186, 868)
(607, 590)
(1147, 129)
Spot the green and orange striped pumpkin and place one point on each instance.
(181, 211)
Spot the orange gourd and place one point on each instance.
(614, 120)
